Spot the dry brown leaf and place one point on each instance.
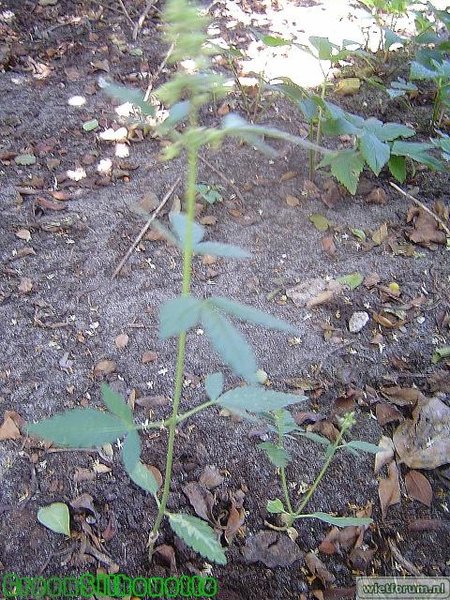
(223, 109)
(101, 469)
(423, 442)
(360, 558)
(167, 554)
(426, 229)
(339, 539)
(208, 220)
(371, 280)
(82, 474)
(288, 176)
(121, 340)
(9, 429)
(152, 401)
(25, 285)
(236, 518)
(149, 356)
(321, 298)
(380, 235)
(111, 528)
(272, 549)
(386, 453)
(326, 429)
(387, 414)
(104, 367)
(331, 194)
(402, 396)
(418, 487)
(317, 568)
(328, 245)
(156, 474)
(211, 477)
(310, 190)
(377, 196)
(23, 234)
(292, 201)
(202, 501)
(389, 489)
(49, 204)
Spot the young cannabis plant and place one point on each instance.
(185, 93)
(285, 427)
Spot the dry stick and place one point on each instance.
(224, 179)
(425, 208)
(145, 228)
(141, 19)
(127, 14)
(156, 74)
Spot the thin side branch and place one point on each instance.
(141, 19)
(145, 228)
(156, 74)
(422, 206)
(126, 13)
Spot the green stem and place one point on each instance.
(186, 286)
(285, 490)
(319, 477)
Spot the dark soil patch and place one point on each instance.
(53, 335)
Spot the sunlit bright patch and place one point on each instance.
(109, 135)
(104, 166)
(77, 174)
(122, 151)
(77, 101)
(124, 110)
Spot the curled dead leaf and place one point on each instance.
(386, 453)
(389, 489)
(104, 367)
(418, 487)
(317, 568)
(272, 549)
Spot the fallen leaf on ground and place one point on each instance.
(121, 340)
(380, 235)
(347, 86)
(320, 222)
(377, 196)
(149, 356)
(310, 190)
(111, 528)
(389, 489)
(402, 396)
(9, 429)
(317, 568)
(418, 487)
(49, 204)
(426, 230)
(288, 176)
(328, 245)
(201, 500)
(25, 285)
(272, 549)
(23, 234)
(387, 414)
(152, 401)
(211, 477)
(360, 558)
(105, 367)
(292, 201)
(386, 453)
(313, 292)
(331, 194)
(423, 442)
(236, 518)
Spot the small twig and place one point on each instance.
(141, 19)
(145, 228)
(126, 13)
(156, 74)
(224, 179)
(425, 208)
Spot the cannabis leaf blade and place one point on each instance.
(199, 536)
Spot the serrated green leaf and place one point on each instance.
(358, 233)
(135, 97)
(116, 404)
(257, 399)
(417, 151)
(440, 353)
(323, 46)
(199, 536)
(178, 315)
(391, 131)
(397, 167)
(338, 521)
(375, 153)
(320, 222)
(25, 160)
(363, 446)
(214, 385)
(90, 125)
(275, 506)
(274, 41)
(277, 455)
(314, 437)
(55, 517)
(249, 314)
(284, 422)
(180, 222)
(219, 249)
(229, 343)
(178, 113)
(346, 166)
(352, 280)
(80, 428)
(137, 471)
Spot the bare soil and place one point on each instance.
(54, 334)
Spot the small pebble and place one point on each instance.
(357, 321)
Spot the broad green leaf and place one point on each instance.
(375, 153)
(420, 71)
(179, 222)
(440, 353)
(275, 506)
(229, 343)
(353, 280)
(178, 113)
(320, 222)
(314, 437)
(25, 160)
(90, 125)
(323, 46)
(214, 385)
(210, 194)
(338, 521)
(80, 428)
(391, 38)
(199, 536)
(358, 233)
(137, 471)
(278, 455)
(55, 517)
(273, 41)
(364, 446)
(257, 399)
(284, 422)
(179, 315)
(397, 167)
(249, 314)
(288, 88)
(135, 97)
(116, 405)
(338, 126)
(418, 151)
(218, 249)
(346, 166)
